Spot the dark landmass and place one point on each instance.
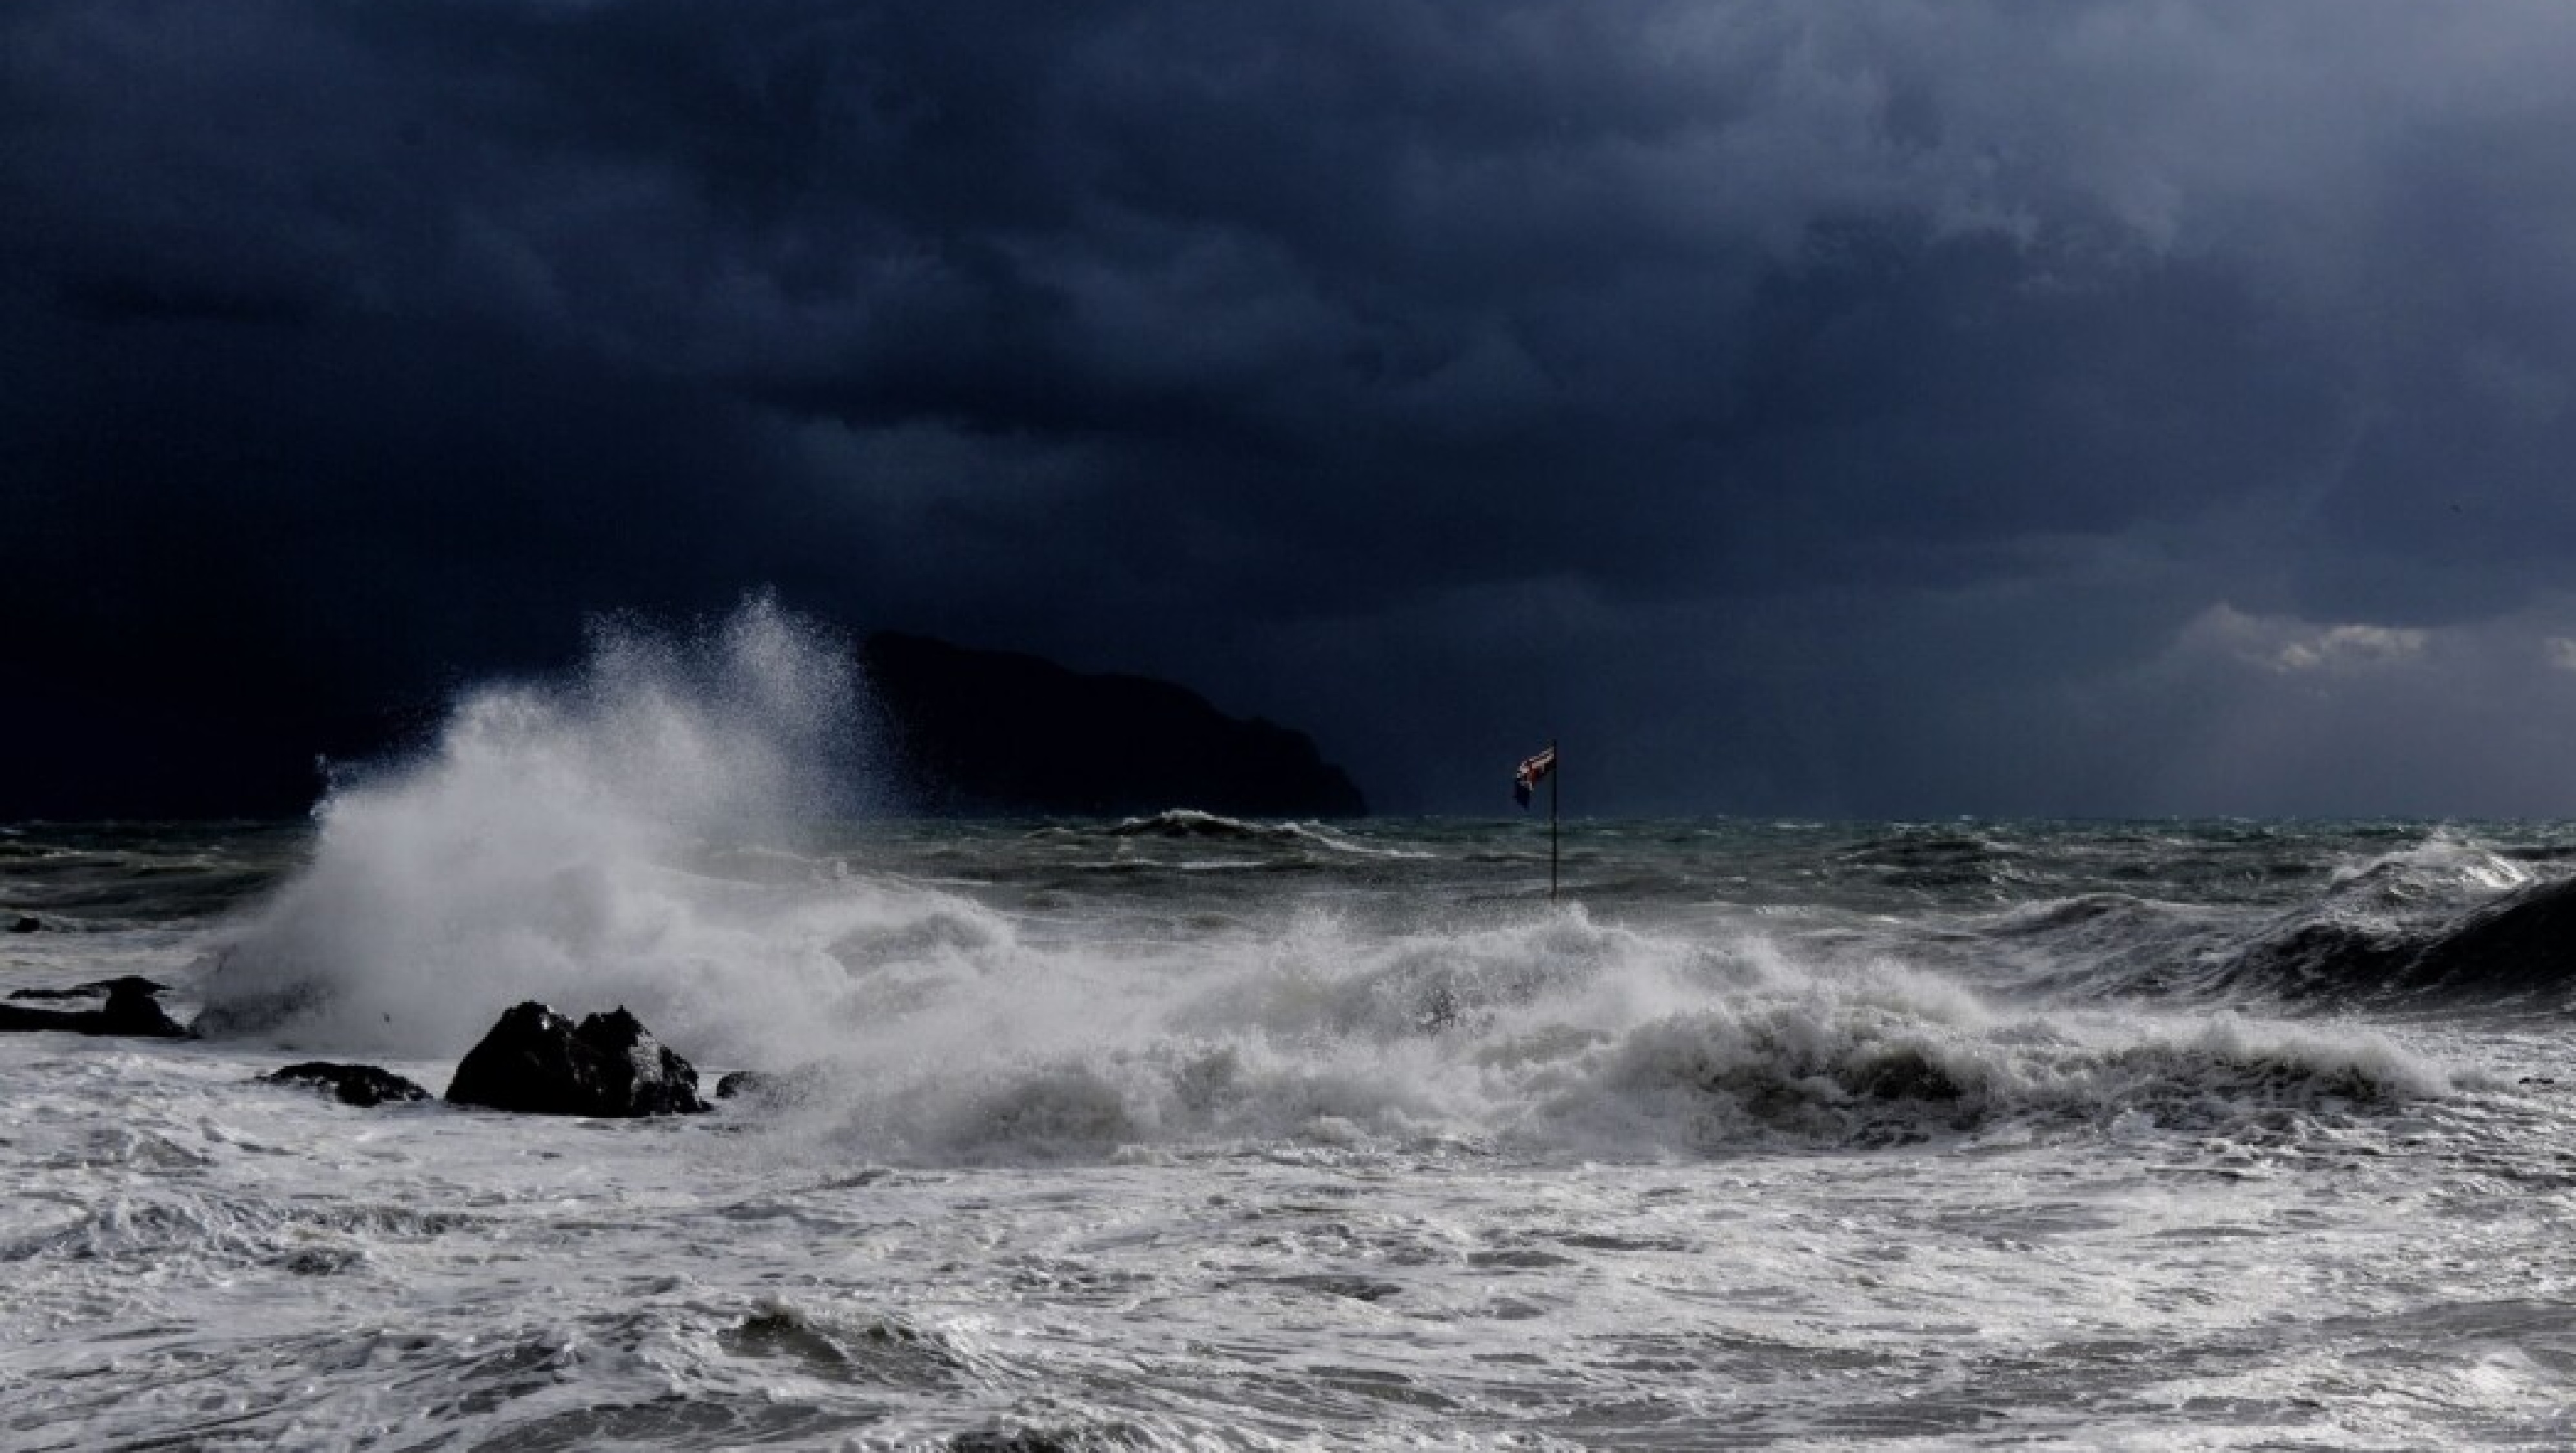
(999, 732)
(970, 731)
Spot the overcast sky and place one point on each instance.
(1873, 409)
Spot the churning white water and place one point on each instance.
(1185, 1132)
(602, 838)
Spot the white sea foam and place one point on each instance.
(1549, 1036)
(580, 842)
(1189, 1163)
(632, 836)
(2442, 867)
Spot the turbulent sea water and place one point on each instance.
(1186, 1132)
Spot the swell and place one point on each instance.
(2518, 951)
(2443, 925)
(1187, 824)
(74, 877)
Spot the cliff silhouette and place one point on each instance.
(1001, 732)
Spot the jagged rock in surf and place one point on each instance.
(131, 1008)
(770, 1087)
(96, 988)
(985, 732)
(537, 1062)
(361, 1085)
(27, 923)
(1034, 1440)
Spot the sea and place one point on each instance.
(1184, 1131)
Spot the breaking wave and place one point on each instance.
(645, 834)
(1547, 1037)
(2442, 923)
(583, 841)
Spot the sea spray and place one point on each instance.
(581, 841)
(1349, 1148)
(1066, 993)
(1544, 1035)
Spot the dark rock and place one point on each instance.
(353, 1084)
(996, 732)
(1077, 1438)
(130, 1009)
(95, 989)
(1017, 1440)
(537, 1062)
(1357, 1288)
(134, 1008)
(320, 1260)
(134, 983)
(27, 923)
(14, 1020)
(769, 1087)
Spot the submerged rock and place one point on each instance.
(537, 1062)
(769, 1088)
(353, 1084)
(131, 1007)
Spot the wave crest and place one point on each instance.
(575, 841)
(1189, 824)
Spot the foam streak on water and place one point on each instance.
(1183, 1132)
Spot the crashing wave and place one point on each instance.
(1861, 1074)
(579, 842)
(2441, 870)
(1549, 1037)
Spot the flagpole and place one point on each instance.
(1556, 769)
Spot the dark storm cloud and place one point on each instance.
(1885, 407)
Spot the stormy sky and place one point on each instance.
(1985, 406)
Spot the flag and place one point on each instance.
(1532, 772)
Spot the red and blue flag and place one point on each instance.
(1532, 772)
